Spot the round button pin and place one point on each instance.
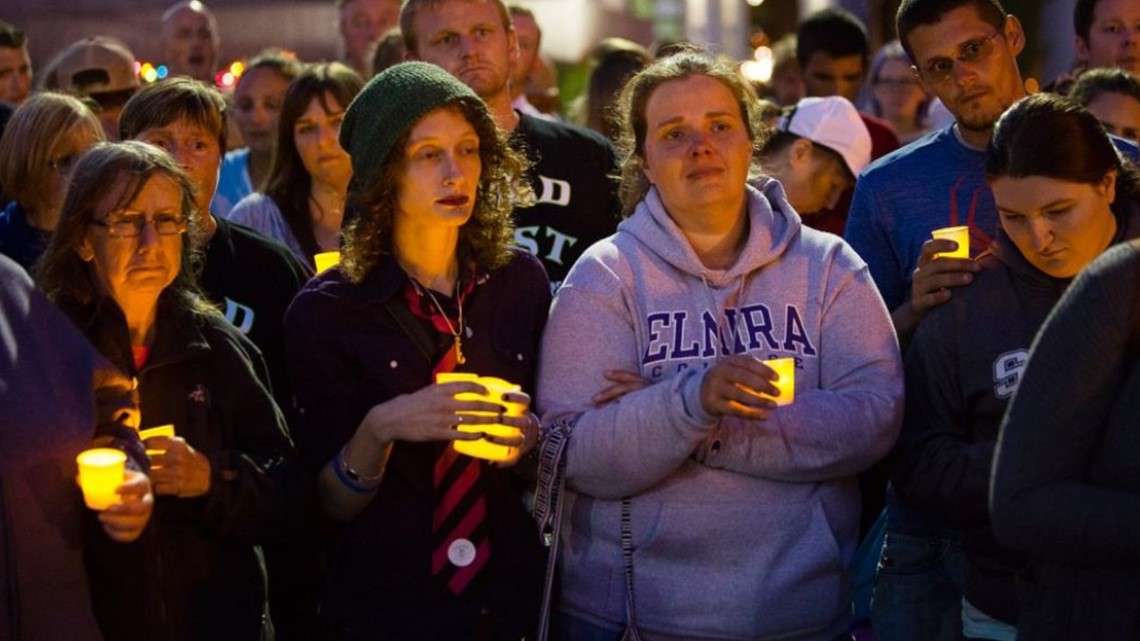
(461, 553)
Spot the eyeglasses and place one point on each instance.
(941, 70)
(132, 226)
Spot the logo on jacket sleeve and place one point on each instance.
(1008, 369)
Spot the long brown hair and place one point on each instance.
(288, 183)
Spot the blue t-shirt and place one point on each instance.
(934, 182)
(18, 240)
(233, 183)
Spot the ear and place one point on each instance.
(1108, 184)
(799, 153)
(85, 251)
(1014, 34)
(1082, 49)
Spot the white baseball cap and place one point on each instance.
(832, 122)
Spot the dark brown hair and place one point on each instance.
(288, 183)
(179, 98)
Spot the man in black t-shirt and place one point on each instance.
(577, 202)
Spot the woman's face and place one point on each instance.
(257, 102)
(1057, 225)
(66, 152)
(440, 173)
(134, 269)
(315, 133)
(897, 91)
(697, 151)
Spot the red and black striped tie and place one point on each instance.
(461, 546)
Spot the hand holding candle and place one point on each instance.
(125, 520)
(740, 386)
(501, 443)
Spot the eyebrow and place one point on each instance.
(1048, 205)
(708, 114)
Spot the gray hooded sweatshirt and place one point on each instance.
(741, 529)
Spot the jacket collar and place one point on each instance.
(178, 333)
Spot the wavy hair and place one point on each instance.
(485, 240)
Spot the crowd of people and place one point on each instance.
(737, 387)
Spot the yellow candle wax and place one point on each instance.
(100, 474)
(960, 235)
(785, 368)
(151, 432)
(326, 260)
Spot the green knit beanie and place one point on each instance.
(388, 106)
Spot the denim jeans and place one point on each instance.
(918, 590)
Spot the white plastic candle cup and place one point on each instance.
(960, 235)
(100, 475)
(785, 368)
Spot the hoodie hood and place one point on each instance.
(772, 226)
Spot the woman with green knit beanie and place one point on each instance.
(433, 544)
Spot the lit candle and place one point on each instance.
(326, 260)
(100, 475)
(785, 369)
(496, 387)
(151, 432)
(960, 235)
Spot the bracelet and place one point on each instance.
(352, 479)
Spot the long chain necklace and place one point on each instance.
(455, 333)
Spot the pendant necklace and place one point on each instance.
(455, 333)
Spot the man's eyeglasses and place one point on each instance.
(132, 226)
(941, 70)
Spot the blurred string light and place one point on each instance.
(228, 77)
(148, 72)
(754, 3)
(759, 69)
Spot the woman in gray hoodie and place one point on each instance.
(741, 517)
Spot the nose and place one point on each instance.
(452, 174)
(1041, 233)
(148, 236)
(700, 143)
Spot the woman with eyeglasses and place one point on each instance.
(121, 265)
(894, 94)
(40, 145)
